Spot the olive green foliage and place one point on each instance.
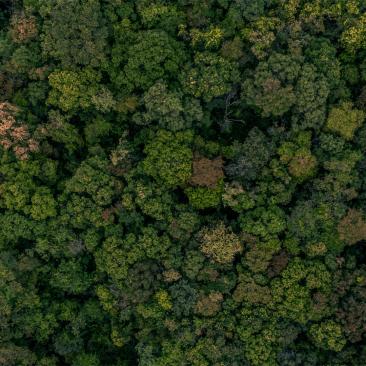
(169, 109)
(219, 243)
(301, 163)
(211, 77)
(72, 90)
(271, 90)
(154, 55)
(344, 120)
(169, 158)
(182, 183)
(75, 32)
(204, 197)
(329, 335)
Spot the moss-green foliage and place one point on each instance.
(297, 155)
(328, 335)
(43, 204)
(74, 32)
(344, 120)
(271, 90)
(72, 89)
(219, 243)
(169, 109)
(211, 77)
(169, 158)
(182, 183)
(204, 197)
(92, 178)
(154, 55)
(237, 198)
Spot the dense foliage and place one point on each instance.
(182, 183)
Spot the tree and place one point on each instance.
(264, 221)
(220, 244)
(251, 156)
(210, 39)
(211, 77)
(169, 158)
(24, 59)
(293, 291)
(86, 359)
(301, 163)
(153, 200)
(312, 91)
(204, 197)
(43, 204)
(322, 54)
(14, 134)
(271, 90)
(352, 227)
(23, 28)
(328, 335)
(75, 32)
(60, 130)
(250, 292)
(344, 120)
(72, 90)
(236, 197)
(170, 109)
(260, 254)
(207, 172)
(161, 16)
(153, 56)
(70, 276)
(93, 178)
(353, 36)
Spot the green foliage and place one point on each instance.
(60, 130)
(117, 254)
(250, 157)
(344, 120)
(154, 201)
(153, 56)
(237, 198)
(323, 55)
(301, 163)
(72, 90)
(271, 90)
(312, 92)
(353, 36)
(43, 204)
(209, 39)
(328, 335)
(23, 59)
(260, 253)
(182, 183)
(169, 158)
(70, 276)
(86, 359)
(162, 16)
(219, 243)
(282, 83)
(74, 32)
(293, 291)
(169, 109)
(93, 178)
(264, 221)
(96, 130)
(211, 77)
(204, 197)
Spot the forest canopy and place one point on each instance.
(182, 183)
